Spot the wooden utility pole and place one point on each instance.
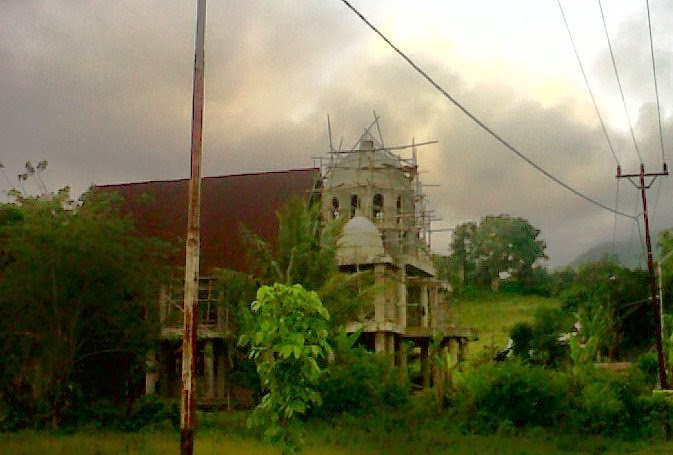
(189, 338)
(643, 187)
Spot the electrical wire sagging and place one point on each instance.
(481, 124)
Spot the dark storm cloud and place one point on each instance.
(103, 91)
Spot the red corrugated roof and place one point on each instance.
(159, 209)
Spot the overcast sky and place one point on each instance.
(102, 90)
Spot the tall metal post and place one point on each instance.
(189, 338)
(643, 187)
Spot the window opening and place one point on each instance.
(335, 207)
(377, 211)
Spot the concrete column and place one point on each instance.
(435, 315)
(151, 373)
(380, 342)
(425, 310)
(402, 299)
(209, 369)
(379, 296)
(221, 370)
(462, 350)
(454, 351)
(425, 364)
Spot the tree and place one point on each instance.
(76, 285)
(481, 252)
(506, 244)
(612, 304)
(462, 252)
(305, 253)
(287, 339)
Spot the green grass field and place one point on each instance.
(323, 441)
(493, 315)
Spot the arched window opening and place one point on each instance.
(377, 210)
(355, 204)
(399, 209)
(335, 208)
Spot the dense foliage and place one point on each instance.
(305, 253)
(287, 338)
(512, 395)
(482, 253)
(76, 286)
(612, 304)
(538, 342)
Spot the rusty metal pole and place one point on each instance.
(189, 338)
(643, 187)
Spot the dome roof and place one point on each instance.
(360, 242)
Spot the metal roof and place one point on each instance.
(159, 209)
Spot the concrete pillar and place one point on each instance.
(221, 368)
(151, 372)
(379, 296)
(425, 364)
(163, 304)
(402, 299)
(380, 342)
(209, 369)
(462, 350)
(454, 351)
(436, 321)
(425, 310)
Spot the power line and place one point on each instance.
(479, 122)
(656, 88)
(619, 82)
(586, 80)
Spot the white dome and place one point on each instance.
(360, 242)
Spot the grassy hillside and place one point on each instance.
(493, 315)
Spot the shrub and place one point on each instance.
(511, 393)
(611, 403)
(359, 382)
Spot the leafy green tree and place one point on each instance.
(305, 253)
(76, 285)
(481, 252)
(538, 342)
(462, 253)
(506, 244)
(287, 339)
(612, 305)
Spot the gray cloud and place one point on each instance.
(103, 91)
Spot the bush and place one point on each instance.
(359, 382)
(148, 410)
(511, 393)
(611, 403)
(649, 366)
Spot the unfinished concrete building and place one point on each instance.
(388, 232)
